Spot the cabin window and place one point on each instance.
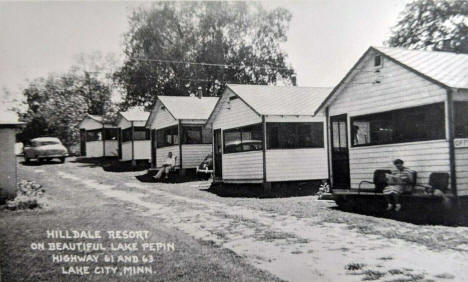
(461, 119)
(243, 139)
(377, 61)
(111, 133)
(167, 137)
(93, 135)
(287, 135)
(196, 135)
(141, 133)
(127, 134)
(405, 125)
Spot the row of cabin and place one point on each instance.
(393, 103)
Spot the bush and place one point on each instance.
(28, 196)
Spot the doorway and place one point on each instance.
(340, 152)
(218, 153)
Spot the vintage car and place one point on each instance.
(45, 148)
(205, 169)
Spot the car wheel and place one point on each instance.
(62, 159)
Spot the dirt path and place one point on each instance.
(296, 249)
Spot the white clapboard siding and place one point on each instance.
(94, 149)
(423, 157)
(123, 123)
(127, 151)
(235, 113)
(90, 124)
(163, 118)
(142, 149)
(194, 154)
(112, 148)
(276, 118)
(461, 164)
(398, 88)
(161, 154)
(296, 164)
(243, 166)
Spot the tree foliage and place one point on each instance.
(55, 105)
(435, 25)
(237, 34)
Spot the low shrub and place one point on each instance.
(27, 197)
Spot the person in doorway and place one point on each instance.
(168, 164)
(397, 182)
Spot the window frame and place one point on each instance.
(165, 130)
(394, 121)
(457, 109)
(297, 135)
(202, 135)
(141, 128)
(94, 131)
(240, 130)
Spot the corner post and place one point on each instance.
(450, 121)
(133, 144)
(179, 132)
(266, 185)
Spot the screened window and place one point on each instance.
(196, 135)
(93, 135)
(141, 133)
(243, 139)
(127, 134)
(111, 133)
(461, 119)
(406, 125)
(167, 136)
(295, 135)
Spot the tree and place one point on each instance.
(434, 25)
(234, 42)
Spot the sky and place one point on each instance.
(325, 38)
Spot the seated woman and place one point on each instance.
(168, 164)
(398, 181)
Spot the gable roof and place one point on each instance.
(447, 69)
(135, 115)
(95, 117)
(281, 100)
(187, 107)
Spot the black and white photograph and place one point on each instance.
(285, 140)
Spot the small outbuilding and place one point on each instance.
(177, 126)
(98, 138)
(134, 141)
(8, 173)
(265, 134)
(404, 104)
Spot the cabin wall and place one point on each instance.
(123, 124)
(90, 124)
(423, 157)
(461, 165)
(142, 149)
(94, 149)
(126, 151)
(161, 154)
(398, 88)
(194, 154)
(243, 166)
(235, 113)
(8, 163)
(296, 164)
(112, 148)
(163, 118)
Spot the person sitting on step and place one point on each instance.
(397, 182)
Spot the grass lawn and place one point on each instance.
(80, 208)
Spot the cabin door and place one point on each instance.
(83, 142)
(218, 153)
(340, 152)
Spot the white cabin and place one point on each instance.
(265, 134)
(177, 126)
(8, 131)
(98, 138)
(399, 103)
(134, 137)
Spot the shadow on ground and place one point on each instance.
(278, 190)
(415, 211)
(173, 178)
(42, 163)
(112, 164)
